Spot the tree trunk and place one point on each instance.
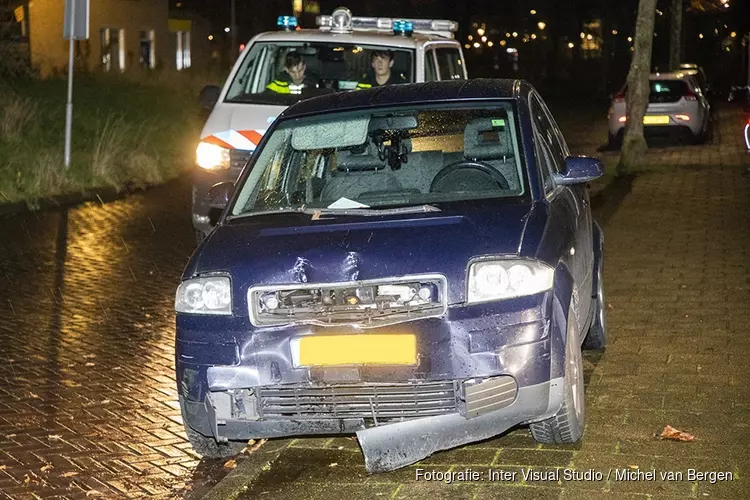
(675, 35)
(636, 100)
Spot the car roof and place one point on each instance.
(355, 37)
(412, 93)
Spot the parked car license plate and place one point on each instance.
(338, 350)
(656, 120)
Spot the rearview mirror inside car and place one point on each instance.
(208, 97)
(579, 170)
(219, 194)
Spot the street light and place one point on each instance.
(541, 25)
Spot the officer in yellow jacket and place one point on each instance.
(294, 77)
(382, 64)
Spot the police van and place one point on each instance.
(277, 69)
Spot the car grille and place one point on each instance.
(366, 304)
(379, 402)
(237, 159)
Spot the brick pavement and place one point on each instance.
(87, 393)
(87, 399)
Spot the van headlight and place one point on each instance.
(211, 156)
(506, 279)
(209, 295)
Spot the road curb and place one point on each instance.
(247, 471)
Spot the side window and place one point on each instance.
(548, 130)
(543, 154)
(430, 72)
(449, 63)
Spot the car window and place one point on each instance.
(401, 156)
(449, 64)
(549, 131)
(333, 66)
(430, 71)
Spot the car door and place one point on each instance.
(449, 63)
(569, 205)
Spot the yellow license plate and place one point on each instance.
(338, 350)
(655, 120)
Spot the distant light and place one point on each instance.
(510, 50)
(630, 38)
(614, 32)
(515, 34)
(589, 37)
(480, 31)
(734, 34)
(484, 38)
(700, 35)
(532, 12)
(571, 45)
(507, 35)
(583, 35)
(226, 30)
(242, 47)
(541, 25)
(476, 45)
(210, 37)
(471, 38)
(179, 4)
(490, 44)
(503, 43)
(533, 36)
(467, 46)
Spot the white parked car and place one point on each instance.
(676, 106)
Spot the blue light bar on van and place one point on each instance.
(286, 22)
(402, 27)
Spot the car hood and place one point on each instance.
(241, 126)
(292, 248)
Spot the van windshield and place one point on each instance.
(286, 72)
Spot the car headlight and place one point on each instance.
(211, 156)
(210, 295)
(505, 279)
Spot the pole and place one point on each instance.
(69, 106)
(233, 29)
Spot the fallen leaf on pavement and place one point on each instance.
(94, 493)
(54, 437)
(33, 395)
(340, 448)
(334, 464)
(230, 464)
(47, 467)
(633, 466)
(3, 467)
(670, 432)
(106, 401)
(26, 479)
(9, 436)
(255, 447)
(90, 364)
(70, 474)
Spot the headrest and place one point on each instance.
(359, 158)
(487, 139)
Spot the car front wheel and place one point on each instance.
(566, 427)
(208, 447)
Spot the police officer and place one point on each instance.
(382, 63)
(294, 77)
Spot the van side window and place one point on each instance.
(430, 72)
(449, 64)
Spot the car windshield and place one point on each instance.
(367, 161)
(285, 72)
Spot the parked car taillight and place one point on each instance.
(620, 97)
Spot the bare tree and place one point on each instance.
(636, 100)
(675, 35)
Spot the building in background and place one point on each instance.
(189, 45)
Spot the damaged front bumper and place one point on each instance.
(482, 370)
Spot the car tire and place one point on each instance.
(208, 447)
(566, 427)
(596, 338)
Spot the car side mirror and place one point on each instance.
(209, 96)
(579, 170)
(219, 194)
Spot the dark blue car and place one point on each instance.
(416, 264)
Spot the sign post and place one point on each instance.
(75, 27)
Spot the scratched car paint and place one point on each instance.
(416, 265)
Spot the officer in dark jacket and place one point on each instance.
(382, 63)
(294, 77)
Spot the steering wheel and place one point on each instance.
(445, 181)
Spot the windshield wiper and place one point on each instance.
(317, 212)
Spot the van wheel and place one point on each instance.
(567, 426)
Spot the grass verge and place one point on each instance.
(129, 132)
